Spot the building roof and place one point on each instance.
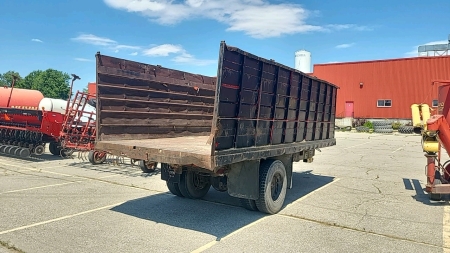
(384, 60)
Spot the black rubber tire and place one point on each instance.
(145, 168)
(188, 187)
(94, 159)
(267, 171)
(362, 129)
(249, 204)
(406, 129)
(53, 148)
(174, 188)
(383, 130)
(382, 123)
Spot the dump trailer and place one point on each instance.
(238, 132)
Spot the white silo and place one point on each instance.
(303, 61)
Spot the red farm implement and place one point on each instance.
(78, 130)
(28, 121)
(435, 131)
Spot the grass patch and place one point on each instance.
(11, 247)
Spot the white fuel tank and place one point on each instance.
(53, 105)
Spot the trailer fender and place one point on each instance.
(243, 179)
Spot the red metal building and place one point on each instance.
(384, 88)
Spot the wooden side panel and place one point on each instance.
(137, 100)
(260, 102)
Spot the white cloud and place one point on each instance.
(182, 56)
(37, 40)
(118, 47)
(103, 41)
(346, 45)
(348, 27)
(82, 59)
(190, 59)
(414, 51)
(163, 50)
(256, 18)
(94, 40)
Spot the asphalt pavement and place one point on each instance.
(363, 195)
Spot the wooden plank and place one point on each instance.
(117, 104)
(116, 77)
(156, 70)
(150, 132)
(143, 94)
(129, 115)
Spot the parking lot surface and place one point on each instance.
(363, 195)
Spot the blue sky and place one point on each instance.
(185, 34)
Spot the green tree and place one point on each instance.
(28, 81)
(52, 83)
(6, 79)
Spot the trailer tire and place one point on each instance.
(174, 188)
(193, 185)
(271, 200)
(144, 165)
(249, 204)
(94, 157)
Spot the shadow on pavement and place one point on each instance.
(126, 168)
(422, 196)
(34, 158)
(218, 214)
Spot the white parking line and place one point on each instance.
(311, 193)
(39, 187)
(446, 229)
(400, 148)
(358, 145)
(212, 243)
(58, 219)
(40, 170)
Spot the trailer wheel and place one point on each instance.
(193, 185)
(147, 167)
(249, 204)
(96, 157)
(174, 188)
(272, 186)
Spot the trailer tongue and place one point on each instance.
(240, 132)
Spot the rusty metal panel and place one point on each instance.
(137, 100)
(260, 103)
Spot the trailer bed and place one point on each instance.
(190, 150)
(253, 109)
